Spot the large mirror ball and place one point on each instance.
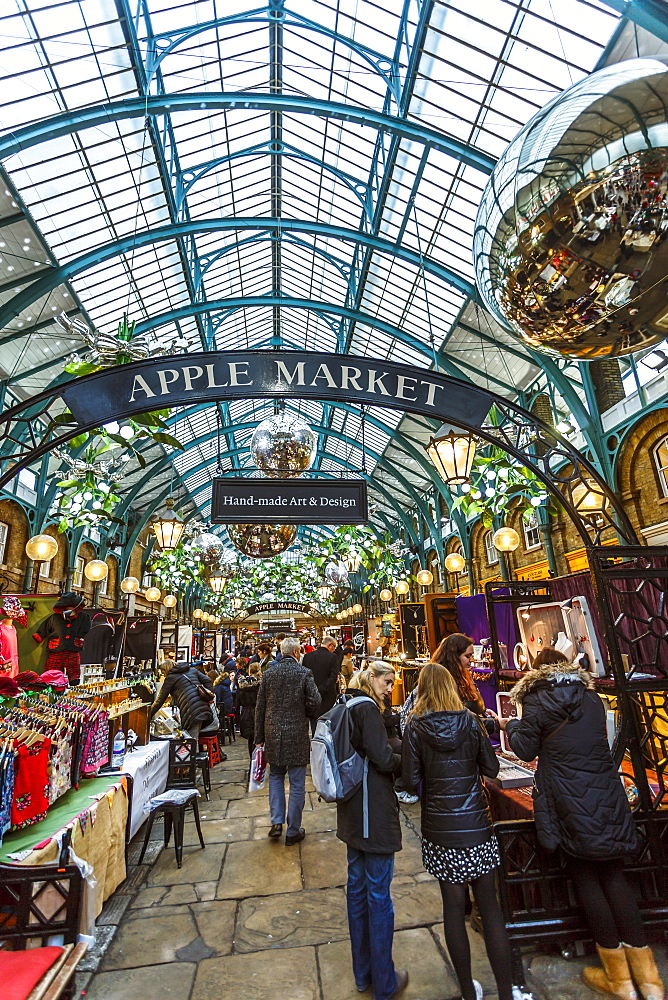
(570, 247)
(283, 445)
(262, 541)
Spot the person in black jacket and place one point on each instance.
(182, 683)
(455, 653)
(445, 749)
(371, 851)
(224, 697)
(580, 806)
(324, 665)
(245, 701)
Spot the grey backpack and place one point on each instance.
(337, 769)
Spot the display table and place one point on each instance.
(509, 803)
(147, 767)
(97, 814)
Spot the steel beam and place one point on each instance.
(99, 115)
(652, 15)
(161, 234)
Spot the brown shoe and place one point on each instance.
(645, 973)
(614, 979)
(402, 982)
(275, 831)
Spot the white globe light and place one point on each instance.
(41, 548)
(425, 578)
(130, 585)
(153, 594)
(386, 595)
(402, 587)
(169, 600)
(96, 570)
(455, 562)
(506, 539)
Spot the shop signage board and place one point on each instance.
(289, 501)
(188, 379)
(266, 606)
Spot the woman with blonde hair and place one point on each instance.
(445, 752)
(369, 826)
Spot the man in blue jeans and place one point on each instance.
(286, 700)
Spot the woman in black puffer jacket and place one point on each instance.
(444, 752)
(580, 806)
(245, 700)
(181, 683)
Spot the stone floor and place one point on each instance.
(250, 919)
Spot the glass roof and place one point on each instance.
(471, 73)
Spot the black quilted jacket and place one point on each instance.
(443, 755)
(181, 682)
(579, 802)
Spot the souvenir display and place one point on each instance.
(12, 613)
(64, 634)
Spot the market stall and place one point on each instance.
(97, 814)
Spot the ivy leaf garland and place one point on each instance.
(498, 486)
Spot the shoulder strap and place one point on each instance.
(360, 700)
(557, 730)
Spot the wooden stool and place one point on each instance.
(211, 745)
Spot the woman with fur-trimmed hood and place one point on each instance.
(581, 807)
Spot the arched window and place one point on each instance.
(660, 456)
(491, 550)
(531, 533)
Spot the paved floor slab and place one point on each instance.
(156, 982)
(259, 868)
(289, 921)
(174, 895)
(215, 921)
(416, 904)
(288, 974)
(415, 950)
(198, 866)
(218, 830)
(252, 806)
(150, 938)
(324, 861)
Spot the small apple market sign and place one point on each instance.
(289, 501)
(185, 380)
(259, 609)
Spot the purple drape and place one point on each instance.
(473, 620)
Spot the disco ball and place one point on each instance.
(283, 446)
(262, 541)
(228, 565)
(208, 548)
(570, 243)
(336, 572)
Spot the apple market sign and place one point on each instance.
(189, 379)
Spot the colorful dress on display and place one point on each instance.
(64, 632)
(31, 783)
(9, 649)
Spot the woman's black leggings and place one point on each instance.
(494, 930)
(608, 902)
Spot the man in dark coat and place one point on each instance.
(324, 665)
(287, 698)
(182, 684)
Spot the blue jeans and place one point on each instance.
(371, 921)
(297, 776)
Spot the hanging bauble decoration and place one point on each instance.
(336, 572)
(228, 565)
(208, 548)
(570, 248)
(283, 445)
(262, 541)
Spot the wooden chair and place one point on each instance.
(37, 902)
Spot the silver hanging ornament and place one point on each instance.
(283, 445)
(570, 241)
(208, 548)
(262, 541)
(336, 572)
